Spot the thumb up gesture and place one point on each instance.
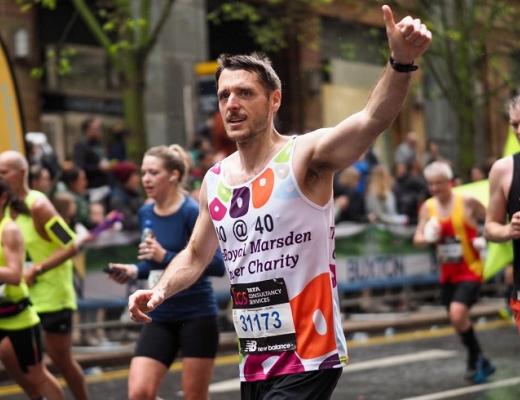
(407, 39)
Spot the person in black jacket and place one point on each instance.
(89, 153)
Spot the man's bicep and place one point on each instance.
(496, 212)
(50, 224)
(342, 145)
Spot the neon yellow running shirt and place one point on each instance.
(52, 290)
(28, 317)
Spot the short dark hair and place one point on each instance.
(513, 102)
(256, 62)
(70, 175)
(85, 124)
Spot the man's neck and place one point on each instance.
(254, 154)
(22, 192)
(445, 198)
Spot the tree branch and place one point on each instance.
(144, 30)
(93, 24)
(165, 13)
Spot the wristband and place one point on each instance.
(402, 67)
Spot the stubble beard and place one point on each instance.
(257, 130)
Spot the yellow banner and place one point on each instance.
(11, 124)
(511, 146)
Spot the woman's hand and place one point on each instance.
(150, 249)
(121, 273)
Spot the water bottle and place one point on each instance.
(147, 230)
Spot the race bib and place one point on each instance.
(262, 317)
(154, 276)
(450, 251)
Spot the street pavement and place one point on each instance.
(425, 364)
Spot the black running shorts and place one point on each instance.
(27, 345)
(57, 322)
(162, 341)
(463, 292)
(313, 385)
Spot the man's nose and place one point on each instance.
(232, 101)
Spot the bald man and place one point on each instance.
(50, 244)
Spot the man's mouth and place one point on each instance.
(236, 119)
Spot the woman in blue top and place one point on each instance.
(188, 320)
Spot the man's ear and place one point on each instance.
(276, 100)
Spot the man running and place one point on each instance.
(449, 221)
(504, 186)
(270, 207)
(50, 243)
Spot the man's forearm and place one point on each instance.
(182, 272)
(57, 258)
(387, 98)
(495, 232)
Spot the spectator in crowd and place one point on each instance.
(117, 149)
(221, 143)
(76, 183)
(410, 190)
(371, 157)
(39, 151)
(126, 195)
(380, 199)
(406, 152)
(477, 173)
(21, 327)
(187, 321)
(96, 213)
(202, 158)
(349, 204)
(40, 179)
(89, 154)
(363, 168)
(431, 154)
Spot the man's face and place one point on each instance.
(13, 176)
(438, 185)
(95, 129)
(246, 108)
(514, 120)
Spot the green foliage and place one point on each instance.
(61, 58)
(271, 22)
(124, 29)
(26, 5)
(37, 72)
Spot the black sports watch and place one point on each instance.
(402, 67)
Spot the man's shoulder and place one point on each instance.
(502, 166)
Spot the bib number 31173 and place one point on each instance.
(262, 317)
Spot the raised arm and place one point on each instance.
(341, 145)
(183, 270)
(496, 228)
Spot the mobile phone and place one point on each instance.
(108, 270)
